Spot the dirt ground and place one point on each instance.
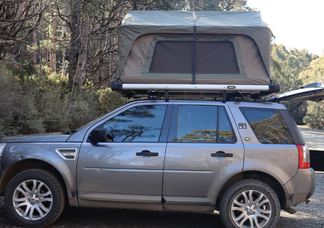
(310, 216)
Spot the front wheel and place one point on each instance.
(34, 198)
(250, 203)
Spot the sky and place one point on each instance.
(295, 23)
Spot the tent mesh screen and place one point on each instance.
(212, 57)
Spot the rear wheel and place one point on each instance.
(34, 198)
(250, 203)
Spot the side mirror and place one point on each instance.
(98, 135)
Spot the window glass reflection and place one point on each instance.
(268, 125)
(197, 123)
(225, 130)
(137, 124)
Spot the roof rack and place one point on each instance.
(226, 92)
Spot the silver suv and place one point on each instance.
(245, 159)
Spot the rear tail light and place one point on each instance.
(304, 161)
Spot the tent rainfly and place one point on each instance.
(185, 47)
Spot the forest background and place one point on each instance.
(59, 58)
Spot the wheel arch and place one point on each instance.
(264, 177)
(26, 164)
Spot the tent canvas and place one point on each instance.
(182, 47)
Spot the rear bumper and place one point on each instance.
(301, 187)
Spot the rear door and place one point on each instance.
(203, 151)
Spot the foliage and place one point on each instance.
(218, 5)
(286, 66)
(17, 110)
(30, 104)
(314, 73)
(109, 100)
(314, 117)
(58, 78)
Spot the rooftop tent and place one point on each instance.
(205, 47)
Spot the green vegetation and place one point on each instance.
(30, 104)
(314, 117)
(286, 66)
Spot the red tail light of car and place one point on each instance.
(304, 161)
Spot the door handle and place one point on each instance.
(147, 153)
(222, 154)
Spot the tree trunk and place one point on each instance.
(35, 42)
(64, 31)
(81, 70)
(74, 40)
(53, 44)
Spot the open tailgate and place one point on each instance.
(310, 92)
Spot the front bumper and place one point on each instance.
(301, 187)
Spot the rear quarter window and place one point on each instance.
(268, 125)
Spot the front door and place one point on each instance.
(128, 170)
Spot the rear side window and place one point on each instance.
(198, 123)
(268, 125)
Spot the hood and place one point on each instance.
(51, 137)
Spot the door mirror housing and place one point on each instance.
(98, 135)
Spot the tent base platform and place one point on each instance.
(193, 90)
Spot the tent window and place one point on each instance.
(216, 57)
(172, 57)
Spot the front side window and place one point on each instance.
(204, 124)
(137, 124)
(268, 125)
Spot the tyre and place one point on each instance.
(34, 198)
(249, 203)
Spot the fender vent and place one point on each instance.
(67, 153)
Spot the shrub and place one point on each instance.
(30, 104)
(314, 117)
(109, 100)
(17, 111)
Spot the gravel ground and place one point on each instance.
(310, 216)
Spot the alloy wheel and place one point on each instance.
(32, 199)
(251, 209)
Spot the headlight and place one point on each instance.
(2, 147)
